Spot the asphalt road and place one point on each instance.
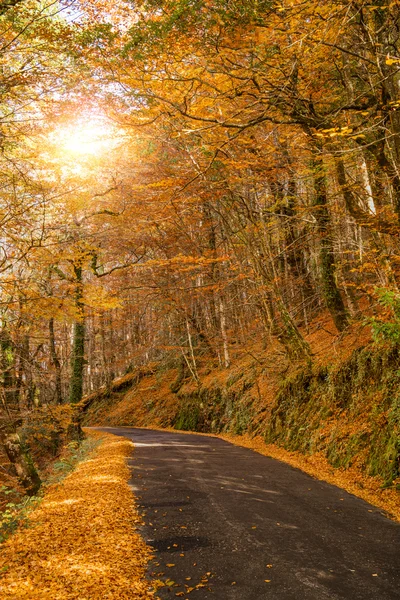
(229, 524)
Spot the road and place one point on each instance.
(227, 523)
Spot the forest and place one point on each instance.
(191, 187)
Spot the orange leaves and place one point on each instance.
(335, 132)
(163, 183)
(390, 60)
(182, 263)
(100, 298)
(82, 544)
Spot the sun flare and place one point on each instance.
(85, 138)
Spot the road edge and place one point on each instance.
(350, 480)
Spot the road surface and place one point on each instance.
(227, 523)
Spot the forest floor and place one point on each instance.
(80, 542)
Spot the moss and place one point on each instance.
(233, 378)
(384, 455)
(180, 377)
(212, 410)
(341, 452)
(316, 409)
(188, 417)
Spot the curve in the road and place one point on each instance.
(229, 524)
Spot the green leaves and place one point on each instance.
(387, 328)
(199, 19)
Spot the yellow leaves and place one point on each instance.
(343, 132)
(394, 104)
(391, 60)
(82, 544)
(334, 132)
(97, 296)
(163, 183)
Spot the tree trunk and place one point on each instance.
(7, 369)
(56, 362)
(330, 290)
(78, 352)
(21, 461)
(224, 335)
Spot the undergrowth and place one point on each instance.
(74, 452)
(351, 412)
(15, 514)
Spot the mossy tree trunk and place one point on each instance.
(17, 454)
(20, 460)
(78, 353)
(290, 336)
(77, 362)
(56, 363)
(7, 368)
(78, 342)
(327, 264)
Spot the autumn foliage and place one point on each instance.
(245, 188)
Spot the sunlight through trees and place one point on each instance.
(181, 180)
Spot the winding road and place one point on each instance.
(227, 523)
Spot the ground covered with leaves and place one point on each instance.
(81, 541)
